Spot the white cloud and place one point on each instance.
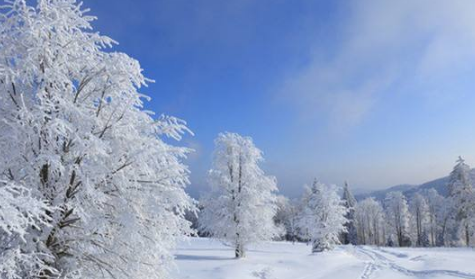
(384, 43)
(197, 148)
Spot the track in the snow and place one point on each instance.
(377, 261)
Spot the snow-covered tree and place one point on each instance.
(302, 227)
(106, 193)
(369, 222)
(287, 217)
(439, 218)
(350, 235)
(242, 203)
(20, 213)
(323, 216)
(280, 217)
(462, 197)
(398, 217)
(420, 219)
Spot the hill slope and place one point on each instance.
(440, 185)
(380, 194)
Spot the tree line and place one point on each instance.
(239, 211)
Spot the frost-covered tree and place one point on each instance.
(369, 222)
(350, 235)
(420, 219)
(302, 227)
(21, 212)
(280, 217)
(323, 216)
(103, 193)
(240, 208)
(462, 198)
(398, 217)
(287, 217)
(439, 218)
(433, 202)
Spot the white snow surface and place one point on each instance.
(202, 258)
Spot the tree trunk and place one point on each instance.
(443, 237)
(317, 246)
(467, 236)
(239, 251)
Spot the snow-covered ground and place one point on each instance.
(208, 259)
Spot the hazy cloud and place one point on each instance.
(384, 44)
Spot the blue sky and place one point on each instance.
(375, 92)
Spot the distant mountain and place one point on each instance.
(380, 194)
(440, 185)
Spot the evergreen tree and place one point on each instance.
(462, 199)
(350, 235)
(323, 216)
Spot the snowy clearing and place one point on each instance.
(201, 258)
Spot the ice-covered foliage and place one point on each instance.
(398, 218)
(350, 236)
(323, 216)
(420, 220)
(20, 215)
(242, 203)
(462, 199)
(286, 217)
(106, 193)
(370, 222)
(348, 199)
(439, 218)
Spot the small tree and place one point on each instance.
(287, 217)
(398, 217)
(280, 217)
(462, 198)
(437, 217)
(350, 235)
(369, 222)
(420, 219)
(293, 214)
(323, 216)
(241, 205)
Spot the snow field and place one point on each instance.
(202, 258)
